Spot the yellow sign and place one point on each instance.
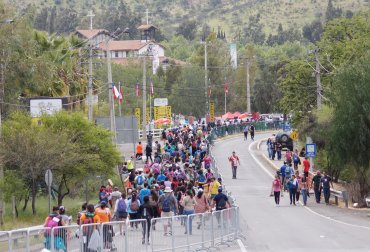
(147, 115)
(137, 114)
(212, 111)
(162, 112)
(168, 112)
(294, 135)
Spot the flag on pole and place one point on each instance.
(137, 89)
(121, 93)
(151, 88)
(226, 87)
(116, 94)
(209, 91)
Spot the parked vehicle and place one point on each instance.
(285, 140)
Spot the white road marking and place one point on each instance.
(241, 245)
(306, 207)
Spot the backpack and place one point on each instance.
(166, 206)
(89, 229)
(221, 204)
(53, 221)
(146, 213)
(121, 207)
(140, 180)
(134, 205)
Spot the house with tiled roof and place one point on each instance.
(95, 36)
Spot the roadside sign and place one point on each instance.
(310, 150)
(286, 128)
(294, 135)
(137, 114)
(159, 102)
(212, 111)
(48, 177)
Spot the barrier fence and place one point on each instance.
(182, 232)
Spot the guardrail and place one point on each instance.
(187, 232)
(340, 195)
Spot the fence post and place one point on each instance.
(52, 238)
(187, 232)
(10, 243)
(212, 232)
(345, 198)
(126, 234)
(202, 225)
(172, 235)
(222, 225)
(28, 240)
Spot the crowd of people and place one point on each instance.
(289, 179)
(177, 180)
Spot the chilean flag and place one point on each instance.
(121, 93)
(137, 89)
(116, 94)
(226, 88)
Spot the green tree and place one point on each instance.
(351, 123)
(187, 29)
(332, 12)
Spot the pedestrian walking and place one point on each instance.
(167, 203)
(316, 180)
(234, 161)
(296, 159)
(146, 212)
(201, 205)
(148, 152)
(52, 221)
(246, 130)
(282, 174)
(276, 189)
(251, 129)
(139, 151)
(306, 166)
(133, 206)
(189, 203)
(120, 211)
(87, 220)
(304, 190)
(221, 202)
(299, 179)
(292, 186)
(326, 181)
(269, 144)
(105, 216)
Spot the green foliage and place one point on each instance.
(187, 29)
(312, 32)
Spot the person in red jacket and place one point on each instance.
(306, 167)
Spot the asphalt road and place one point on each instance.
(316, 227)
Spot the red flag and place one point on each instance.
(226, 88)
(151, 88)
(121, 93)
(137, 89)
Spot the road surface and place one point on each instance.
(316, 227)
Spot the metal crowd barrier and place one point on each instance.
(183, 232)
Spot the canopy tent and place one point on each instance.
(244, 115)
(236, 114)
(227, 116)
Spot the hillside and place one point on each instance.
(232, 16)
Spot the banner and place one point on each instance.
(162, 112)
(212, 111)
(233, 56)
(137, 114)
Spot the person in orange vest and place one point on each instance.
(139, 151)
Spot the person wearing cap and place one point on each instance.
(167, 203)
(202, 205)
(221, 202)
(234, 161)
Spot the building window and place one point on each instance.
(116, 54)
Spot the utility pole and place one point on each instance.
(206, 76)
(248, 88)
(144, 97)
(90, 86)
(318, 80)
(110, 94)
